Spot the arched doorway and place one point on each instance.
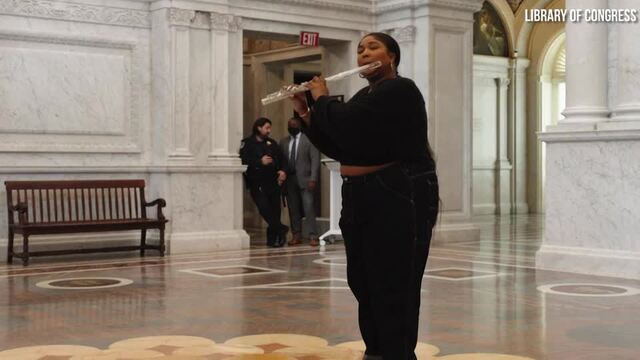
(551, 99)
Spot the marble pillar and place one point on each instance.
(586, 74)
(592, 192)
(626, 110)
(197, 122)
(441, 58)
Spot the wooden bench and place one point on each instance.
(58, 207)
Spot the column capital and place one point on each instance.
(225, 22)
(406, 34)
(502, 81)
(180, 17)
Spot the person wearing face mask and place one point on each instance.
(389, 192)
(264, 177)
(303, 167)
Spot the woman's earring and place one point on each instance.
(361, 76)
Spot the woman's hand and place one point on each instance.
(318, 87)
(299, 103)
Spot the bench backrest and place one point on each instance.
(77, 200)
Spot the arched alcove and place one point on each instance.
(551, 99)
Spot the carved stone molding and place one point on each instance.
(76, 12)
(366, 6)
(465, 5)
(181, 17)
(202, 20)
(502, 81)
(405, 34)
(225, 22)
(486, 81)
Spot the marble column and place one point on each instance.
(586, 74)
(518, 88)
(444, 52)
(179, 129)
(197, 119)
(226, 103)
(627, 106)
(503, 166)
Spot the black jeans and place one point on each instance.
(378, 227)
(267, 199)
(426, 200)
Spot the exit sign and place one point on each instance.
(309, 38)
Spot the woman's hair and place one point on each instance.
(259, 123)
(390, 43)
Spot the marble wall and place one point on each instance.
(151, 89)
(592, 195)
(491, 163)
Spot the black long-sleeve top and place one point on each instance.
(376, 126)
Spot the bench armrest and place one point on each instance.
(21, 208)
(160, 203)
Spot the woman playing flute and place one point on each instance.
(389, 193)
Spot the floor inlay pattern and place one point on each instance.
(258, 347)
(335, 284)
(486, 304)
(457, 274)
(84, 283)
(590, 290)
(233, 270)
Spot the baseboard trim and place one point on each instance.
(601, 262)
(207, 241)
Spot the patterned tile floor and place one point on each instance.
(481, 300)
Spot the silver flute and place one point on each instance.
(289, 90)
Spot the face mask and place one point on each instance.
(293, 131)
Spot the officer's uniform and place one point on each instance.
(262, 182)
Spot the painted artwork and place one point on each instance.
(489, 35)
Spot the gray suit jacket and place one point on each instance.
(307, 160)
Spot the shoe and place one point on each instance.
(314, 242)
(295, 240)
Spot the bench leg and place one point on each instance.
(143, 241)
(10, 247)
(162, 241)
(25, 249)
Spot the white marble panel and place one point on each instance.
(64, 88)
(484, 188)
(203, 202)
(451, 113)
(206, 212)
(593, 195)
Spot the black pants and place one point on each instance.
(426, 201)
(378, 227)
(267, 200)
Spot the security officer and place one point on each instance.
(264, 177)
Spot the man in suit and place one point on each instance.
(303, 167)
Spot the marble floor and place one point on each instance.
(481, 300)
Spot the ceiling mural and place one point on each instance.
(515, 4)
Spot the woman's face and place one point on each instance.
(371, 50)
